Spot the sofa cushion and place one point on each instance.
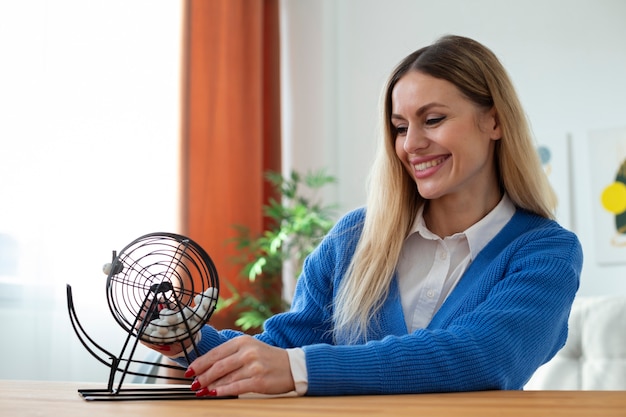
(594, 356)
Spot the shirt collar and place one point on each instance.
(480, 233)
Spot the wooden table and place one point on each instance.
(61, 399)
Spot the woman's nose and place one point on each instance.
(414, 141)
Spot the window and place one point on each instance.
(89, 136)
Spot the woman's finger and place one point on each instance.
(243, 365)
(202, 364)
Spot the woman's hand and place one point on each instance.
(241, 365)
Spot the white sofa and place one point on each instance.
(594, 356)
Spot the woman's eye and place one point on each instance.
(434, 120)
(401, 130)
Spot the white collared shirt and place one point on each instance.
(430, 267)
(428, 270)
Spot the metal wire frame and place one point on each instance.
(154, 270)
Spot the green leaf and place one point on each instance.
(257, 268)
(297, 221)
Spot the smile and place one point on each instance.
(429, 164)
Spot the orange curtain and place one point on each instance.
(231, 125)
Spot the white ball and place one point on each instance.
(197, 300)
(107, 268)
(193, 323)
(200, 313)
(211, 292)
(155, 337)
(194, 329)
(187, 312)
(169, 337)
(206, 302)
(166, 312)
(179, 319)
(170, 316)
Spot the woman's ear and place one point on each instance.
(492, 124)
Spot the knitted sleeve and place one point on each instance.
(309, 319)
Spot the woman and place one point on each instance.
(454, 278)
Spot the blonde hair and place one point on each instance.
(393, 199)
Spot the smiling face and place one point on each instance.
(444, 140)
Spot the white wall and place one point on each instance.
(567, 59)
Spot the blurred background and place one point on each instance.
(96, 123)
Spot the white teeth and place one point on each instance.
(428, 164)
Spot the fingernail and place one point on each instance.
(212, 393)
(164, 348)
(195, 385)
(189, 372)
(203, 392)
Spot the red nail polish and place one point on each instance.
(164, 348)
(212, 393)
(202, 392)
(196, 385)
(189, 372)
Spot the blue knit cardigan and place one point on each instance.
(506, 317)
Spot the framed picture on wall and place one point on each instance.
(555, 154)
(607, 153)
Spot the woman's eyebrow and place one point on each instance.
(421, 110)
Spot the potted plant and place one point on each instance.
(298, 221)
